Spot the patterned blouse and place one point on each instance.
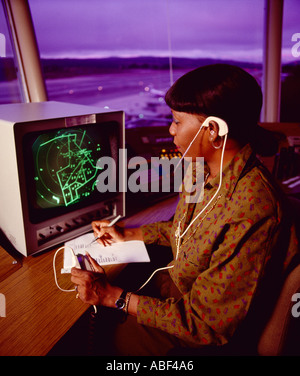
(221, 257)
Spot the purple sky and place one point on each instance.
(200, 28)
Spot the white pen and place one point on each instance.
(114, 221)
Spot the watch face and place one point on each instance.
(120, 303)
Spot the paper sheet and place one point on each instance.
(116, 253)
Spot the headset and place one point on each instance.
(223, 131)
(223, 127)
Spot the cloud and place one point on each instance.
(206, 28)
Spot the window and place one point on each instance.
(126, 53)
(290, 88)
(9, 85)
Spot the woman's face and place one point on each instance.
(184, 128)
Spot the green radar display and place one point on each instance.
(65, 167)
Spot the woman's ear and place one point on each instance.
(214, 138)
(213, 131)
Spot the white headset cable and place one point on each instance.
(220, 183)
(54, 270)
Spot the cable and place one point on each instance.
(188, 148)
(180, 236)
(55, 275)
(91, 332)
(220, 183)
(148, 280)
(169, 43)
(198, 215)
(54, 269)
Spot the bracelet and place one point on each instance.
(128, 296)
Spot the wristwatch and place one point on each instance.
(121, 301)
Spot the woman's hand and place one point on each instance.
(108, 235)
(93, 287)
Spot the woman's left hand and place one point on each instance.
(93, 287)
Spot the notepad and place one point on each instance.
(116, 253)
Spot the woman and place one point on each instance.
(221, 251)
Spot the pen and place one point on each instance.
(109, 225)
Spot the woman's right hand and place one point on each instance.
(106, 234)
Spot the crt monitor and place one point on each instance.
(50, 154)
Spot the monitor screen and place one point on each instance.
(61, 167)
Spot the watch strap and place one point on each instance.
(128, 295)
(123, 295)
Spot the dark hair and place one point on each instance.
(225, 91)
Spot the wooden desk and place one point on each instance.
(287, 129)
(38, 314)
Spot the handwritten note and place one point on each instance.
(116, 253)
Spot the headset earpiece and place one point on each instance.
(223, 128)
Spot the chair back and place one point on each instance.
(279, 336)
